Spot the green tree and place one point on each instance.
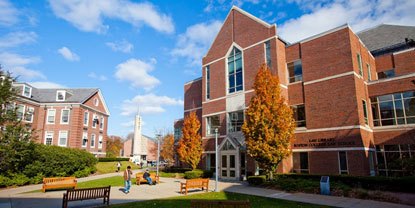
(269, 125)
(16, 143)
(190, 145)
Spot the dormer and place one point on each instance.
(27, 91)
(60, 95)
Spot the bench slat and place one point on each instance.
(86, 193)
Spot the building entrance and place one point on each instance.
(228, 166)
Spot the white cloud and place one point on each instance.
(148, 104)
(88, 15)
(194, 43)
(122, 46)
(47, 85)
(17, 38)
(93, 75)
(17, 64)
(360, 14)
(223, 5)
(8, 13)
(127, 124)
(68, 54)
(136, 71)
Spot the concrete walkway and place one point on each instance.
(169, 187)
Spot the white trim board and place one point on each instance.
(335, 149)
(333, 129)
(391, 79)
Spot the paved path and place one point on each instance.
(169, 187)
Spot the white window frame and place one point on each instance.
(101, 123)
(96, 102)
(208, 78)
(23, 111)
(31, 111)
(365, 108)
(48, 133)
(69, 115)
(288, 71)
(66, 139)
(87, 118)
(227, 70)
(64, 95)
(360, 64)
(100, 140)
(347, 163)
(84, 136)
(94, 124)
(30, 91)
(266, 53)
(209, 130)
(92, 144)
(49, 114)
(229, 120)
(369, 75)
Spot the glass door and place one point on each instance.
(228, 166)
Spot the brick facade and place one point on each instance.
(339, 77)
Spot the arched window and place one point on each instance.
(235, 80)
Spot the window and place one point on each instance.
(236, 120)
(86, 118)
(394, 109)
(63, 138)
(228, 146)
(365, 112)
(177, 133)
(101, 123)
(29, 114)
(359, 61)
(295, 71)
(49, 137)
(343, 163)
(65, 116)
(207, 82)
(388, 158)
(268, 53)
(60, 95)
(51, 116)
(212, 123)
(210, 162)
(20, 111)
(235, 71)
(27, 91)
(299, 115)
(92, 140)
(300, 162)
(96, 102)
(84, 139)
(100, 141)
(386, 74)
(369, 74)
(94, 121)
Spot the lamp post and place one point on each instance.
(216, 160)
(158, 152)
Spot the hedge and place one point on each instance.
(193, 174)
(402, 184)
(257, 180)
(176, 169)
(112, 159)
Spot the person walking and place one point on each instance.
(127, 179)
(118, 166)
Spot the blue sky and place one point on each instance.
(140, 53)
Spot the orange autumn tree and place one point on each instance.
(269, 125)
(167, 149)
(190, 145)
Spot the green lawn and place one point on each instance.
(111, 167)
(184, 201)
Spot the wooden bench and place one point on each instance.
(202, 183)
(58, 182)
(86, 193)
(219, 204)
(139, 178)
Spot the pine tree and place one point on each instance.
(16, 146)
(190, 145)
(269, 125)
(167, 149)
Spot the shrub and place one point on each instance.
(193, 174)
(112, 159)
(176, 169)
(5, 181)
(257, 180)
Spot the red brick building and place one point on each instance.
(353, 96)
(74, 117)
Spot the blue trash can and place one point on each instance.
(325, 185)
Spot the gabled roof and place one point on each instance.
(75, 95)
(385, 36)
